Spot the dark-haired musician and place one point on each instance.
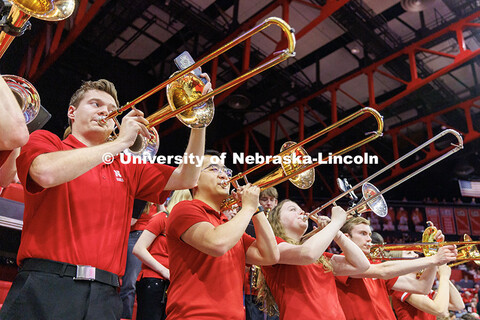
(208, 252)
(78, 210)
(364, 296)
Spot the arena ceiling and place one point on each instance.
(419, 69)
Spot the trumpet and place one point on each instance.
(302, 175)
(373, 198)
(183, 88)
(17, 22)
(26, 94)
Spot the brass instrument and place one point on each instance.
(372, 197)
(254, 277)
(26, 94)
(17, 22)
(300, 174)
(184, 89)
(466, 252)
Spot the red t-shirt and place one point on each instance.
(4, 156)
(84, 221)
(158, 249)
(365, 298)
(203, 286)
(406, 311)
(142, 222)
(303, 292)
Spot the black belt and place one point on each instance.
(77, 272)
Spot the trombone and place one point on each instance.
(17, 22)
(302, 175)
(467, 250)
(373, 199)
(182, 106)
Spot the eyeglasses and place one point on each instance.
(217, 169)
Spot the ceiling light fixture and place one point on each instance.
(415, 5)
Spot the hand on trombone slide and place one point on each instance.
(132, 125)
(339, 216)
(445, 254)
(247, 196)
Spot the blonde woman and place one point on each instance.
(303, 283)
(151, 249)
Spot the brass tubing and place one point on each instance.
(456, 148)
(279, 57)
(278, 176)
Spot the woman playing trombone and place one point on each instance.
(303, 283)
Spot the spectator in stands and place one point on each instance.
(389, 220)
(466, 282)
(374, 221)
(417, 219)
(402, 218)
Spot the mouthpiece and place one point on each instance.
(224, 183)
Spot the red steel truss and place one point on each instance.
(367, 73)
(54, 39)
(324, 12)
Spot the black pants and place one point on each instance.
(151, 298)
(252, 309)
(44, 296)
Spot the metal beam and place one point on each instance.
(40, 64)
(407, 87)
(326, 10)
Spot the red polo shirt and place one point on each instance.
(84, 221)
(406, 311)
(4, 156)
(202, 286)
(304, 292)
(365, 298)
(142, 222)
(158, 249)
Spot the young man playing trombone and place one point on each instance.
(208, 252)
(78, 210)
(364, 296)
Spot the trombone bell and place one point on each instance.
(52, 10)
(377, 205)
(16, 22)
(303, 180)
(26, 94)
(184, 91)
